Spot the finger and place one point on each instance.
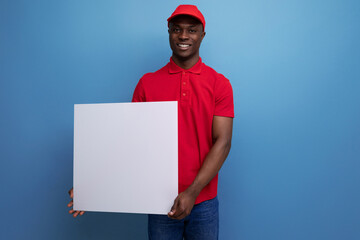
(181, 216)
(178, 217)
(173, 208)
(71, 193)
(177, 212)
(171, 214)
(76, 213)
(172, 211)
(70, 203)
(71, 211)
(82, 213)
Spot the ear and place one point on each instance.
(203, 35)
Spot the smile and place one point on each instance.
(184, 46)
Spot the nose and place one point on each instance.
(183, 35)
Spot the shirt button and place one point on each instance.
(184, 94)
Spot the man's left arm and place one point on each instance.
(222, 133)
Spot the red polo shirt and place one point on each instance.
(201, 93)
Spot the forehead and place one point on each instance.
(185, 20)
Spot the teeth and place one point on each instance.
(183, 45)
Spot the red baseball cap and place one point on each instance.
(190, 10)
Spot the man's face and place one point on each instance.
(185, 36)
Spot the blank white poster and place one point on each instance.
(125, 157)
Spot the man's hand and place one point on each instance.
(70, 204)
(183, 205)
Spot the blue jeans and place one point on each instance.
(201, 224)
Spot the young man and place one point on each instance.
(205, 118)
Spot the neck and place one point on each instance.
(185, 63)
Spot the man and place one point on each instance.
(205, 118)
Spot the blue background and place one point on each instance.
(293, 171)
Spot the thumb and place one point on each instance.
(71, 193)
(173, 208)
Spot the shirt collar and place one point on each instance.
(173, 68)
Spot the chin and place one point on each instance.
(184, 56)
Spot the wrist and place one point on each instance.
(193, 190)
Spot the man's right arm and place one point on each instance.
(71, 203)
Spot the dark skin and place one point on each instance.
(70, 204)
(185, 37)
(222, 133)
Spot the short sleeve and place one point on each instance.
(224, 100)
(139, 93)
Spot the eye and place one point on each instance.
(192, 31)
(176, 30)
